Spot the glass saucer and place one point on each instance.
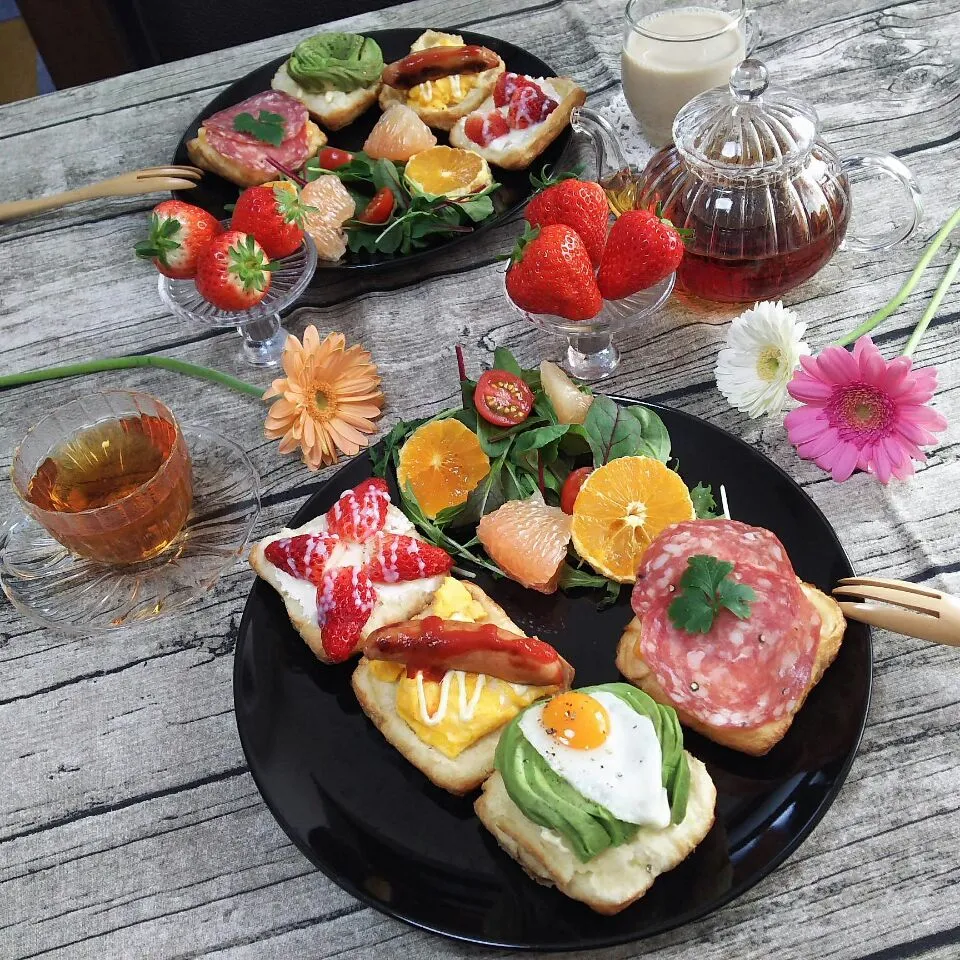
(68, 593)
(591, 353)
(263, 337)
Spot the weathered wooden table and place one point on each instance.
(129, 824)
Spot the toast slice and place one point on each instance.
(444, 118)
(378, 699)
(332, 108)
(521, 147)
(203, 155)
(753, 740)
(618, 876)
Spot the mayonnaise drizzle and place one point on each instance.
(467, 707)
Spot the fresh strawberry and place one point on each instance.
(274, 215)
(641, 250)
(550, 272)
(345, 600)
(580, 205)
(178, 233)
(529, 105)
(397, 557)
(360, 513)
(483, 130)
(507, 84)
(233, 272)
(303, 556)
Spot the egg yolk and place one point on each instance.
(576, 720)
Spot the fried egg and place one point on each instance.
(605, 750)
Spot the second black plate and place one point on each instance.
(214, 192)
(376, 826)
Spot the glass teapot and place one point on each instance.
(766, 200)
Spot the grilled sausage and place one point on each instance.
(436, 62)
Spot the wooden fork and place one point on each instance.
(150, 180)
(919, 612)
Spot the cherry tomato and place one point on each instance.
(571, 487)
(502, 398)
(331, 158)
(378, 210)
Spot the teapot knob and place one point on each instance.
(749, 80)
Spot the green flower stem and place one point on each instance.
(932, 307)
(127, 363)
(908, 286)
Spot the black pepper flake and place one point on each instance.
(694, 686)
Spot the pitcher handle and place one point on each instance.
(606, 144)
(753, 35)
(867, 165)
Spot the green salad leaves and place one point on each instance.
(417, 218)
(532, 458)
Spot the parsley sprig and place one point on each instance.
(266, 126)
(707, 588)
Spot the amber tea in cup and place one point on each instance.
(108, 476)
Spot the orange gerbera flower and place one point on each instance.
(327, 400)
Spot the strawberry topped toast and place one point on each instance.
(358, 567)
(521, 118)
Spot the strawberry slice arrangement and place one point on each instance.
(547, 273)
(346, 594)
(398, 557)
(186, 242)
(519, 103)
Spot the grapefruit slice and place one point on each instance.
(528, 539)
(398, 135)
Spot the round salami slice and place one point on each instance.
(665, 560)
(743, 673)
(294, 115)
(256, 154)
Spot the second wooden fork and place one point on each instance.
(149, 180)
(918, 612)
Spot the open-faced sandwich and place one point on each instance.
(441, 688)
(336, 76)
(520, 119)
(356, 568)
(726, 633)
(595, 795)
(442, 79)
(238, 143)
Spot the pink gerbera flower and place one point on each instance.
(862, 412)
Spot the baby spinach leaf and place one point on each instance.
(612, 431)
(653, 429)
(540, 437)
(503, 359)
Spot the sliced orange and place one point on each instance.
(442, 462)
(448, 172)
(528, 540)
(622, 506)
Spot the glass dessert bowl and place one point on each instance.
(263, 336)
(591, 353)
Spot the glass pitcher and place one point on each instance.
(766, 200)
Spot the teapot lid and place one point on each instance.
(746, 128)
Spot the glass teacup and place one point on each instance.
(108, 476)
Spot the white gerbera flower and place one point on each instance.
(763, 349)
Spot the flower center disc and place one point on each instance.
(768, 363)
(862, 411)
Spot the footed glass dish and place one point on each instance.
(263, 336)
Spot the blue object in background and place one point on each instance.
(9, 11)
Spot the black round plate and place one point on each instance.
(214, 192)
(374, 824)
